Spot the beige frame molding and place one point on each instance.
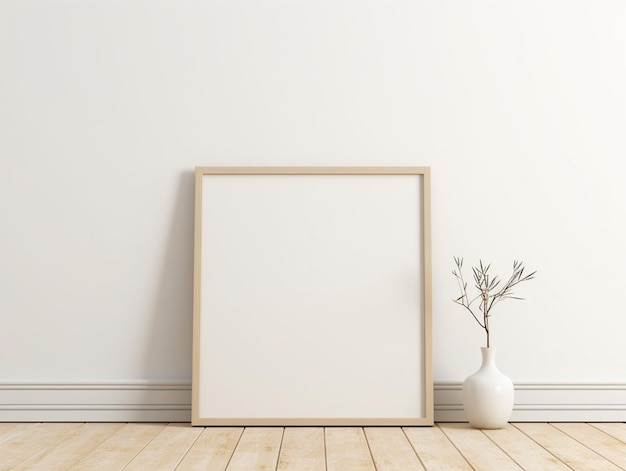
(425, 348)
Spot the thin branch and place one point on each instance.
(471, 312)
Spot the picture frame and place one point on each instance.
(312, 296)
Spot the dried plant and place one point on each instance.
(490, 291)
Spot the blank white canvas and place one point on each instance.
(312, 297)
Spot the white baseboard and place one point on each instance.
(119, 401)
(170, 401)
(544, 402)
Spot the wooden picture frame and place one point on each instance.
(312, 296)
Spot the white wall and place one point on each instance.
(107, 106)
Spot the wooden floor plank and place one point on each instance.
(257, 450)
(76, 445)
(167, 449)
(616, 430)
(37, 440)
(95, 447)
(212, 450)
(8, 430)
(302, 450)
(610, 448)
(478, 449)
(391, 449)
(347, 449)
(568, 450)
(120, 448)
(435, 450)
(527, 453)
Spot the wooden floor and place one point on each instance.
(133, 446)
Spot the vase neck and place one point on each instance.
(489, 356)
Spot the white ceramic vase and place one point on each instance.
(488, 394)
